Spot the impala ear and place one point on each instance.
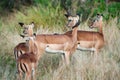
(100, 15)
(22, 35)
(21, 24)
(78, 14)
(78, 17)
(32, 23)
(67, 15)
(34, 34)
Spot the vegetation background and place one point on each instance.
(48, 16)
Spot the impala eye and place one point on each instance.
(69, 20)
(26, 28)
(97, 19)
(94, 20)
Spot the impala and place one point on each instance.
(22, 48)
(27, 62)
(62, 43)
(90, 40)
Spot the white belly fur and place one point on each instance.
(84, 45)
(55, 48)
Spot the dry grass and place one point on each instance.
(82, 67)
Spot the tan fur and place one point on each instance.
(27, 62)
(66, 43)
(22, 48)
(91, 39)
(63, 42)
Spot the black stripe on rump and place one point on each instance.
(22, 67)
(25, 66)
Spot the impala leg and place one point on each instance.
(67, 57)
(96, 55)
(20, 76)
(28, 76)
(19, 72)
(63, 57)
(92, 53)
(34, 74)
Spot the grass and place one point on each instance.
(82, 66)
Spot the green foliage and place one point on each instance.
(43, 2)
(93, 7)
(46, 17)
(87, 8)
(0, 25)
(6, 4)
(100, 6)
(114, 9)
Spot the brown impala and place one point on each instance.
(22, 48)
(27, 62)
(90, 40)
(62, 43)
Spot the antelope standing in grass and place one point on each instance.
(22, 48)
(62, 43)
(90, 40)
(27, 62)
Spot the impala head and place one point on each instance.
(97, 22)
(27, 29)
(73, 21)
(31, 41)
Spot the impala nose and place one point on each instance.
(90, 27)
(24, 32)
(67, 25)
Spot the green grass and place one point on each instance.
(46, 17)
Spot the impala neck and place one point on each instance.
(74, 31)
(30, 33)
(33, 47)
(77, 24)
(100, 28)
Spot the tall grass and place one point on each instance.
(83, 66)
(46, 17)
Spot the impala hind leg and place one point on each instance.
(34, 73)
(63, 57)
(28, 76)
(20, 76)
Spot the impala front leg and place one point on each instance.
(63, 57)
(67, 57)
(34, 71)
(34, 74)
